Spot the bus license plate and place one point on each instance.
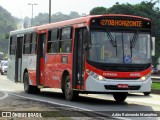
(122, 85)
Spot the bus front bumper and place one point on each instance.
(112, 85)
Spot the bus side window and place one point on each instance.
(13, 42)
(66, 40)
(33, 43)
(53, 44)
(26, 46)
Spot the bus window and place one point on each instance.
(65, 40)
(33, 43)
(53, 43)
(26, 46)
(13, 42)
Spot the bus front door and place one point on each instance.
(78, 59)
(40, 69)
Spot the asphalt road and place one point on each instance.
(97, 103)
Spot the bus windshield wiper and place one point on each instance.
(112, 41)
(133, 41)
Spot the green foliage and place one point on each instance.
(42, 18)
(144, 9)
(98, 11)
(156, 86)
(7, 24)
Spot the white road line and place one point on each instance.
(49, 102)
(120, 118)
(5, 95)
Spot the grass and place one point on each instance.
(156, 86)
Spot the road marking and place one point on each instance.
(44, 101)
(49, 102)
(7, 90)
(5, 95)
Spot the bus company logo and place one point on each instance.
(110, 74)
(135, 74)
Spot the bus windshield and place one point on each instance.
(119, 47)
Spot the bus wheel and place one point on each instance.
(29, 88)
(146, 93)
(68, 92)
(120, 96)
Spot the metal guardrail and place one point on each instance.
(155, 78)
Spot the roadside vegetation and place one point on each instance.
(156, 86)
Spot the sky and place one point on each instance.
(20, 8)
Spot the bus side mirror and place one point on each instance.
(153, 46)
(87, 41)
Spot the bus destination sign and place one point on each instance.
(121, 22)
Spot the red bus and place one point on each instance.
(93, 54)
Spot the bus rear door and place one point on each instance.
(18, 58)
(41, 48)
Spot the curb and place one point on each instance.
(154, 91)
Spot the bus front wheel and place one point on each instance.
(68, 92)
(120, 96)
(146, 93)
(29, 88)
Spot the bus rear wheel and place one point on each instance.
(120, 96)
(27, 87)
(68, 92)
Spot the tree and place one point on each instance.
(74, 14)
(98, 11)
(7, 24)
(42, 18)
(26, 22)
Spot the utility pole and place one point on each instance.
(32, 12)
(49, 11)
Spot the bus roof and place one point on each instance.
(81, 20)
(22, 31)
(70, 22)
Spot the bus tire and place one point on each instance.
(146, 93)
(29, 88)
(68, 92)
(120, 96)
(2, 73)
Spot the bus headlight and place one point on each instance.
(100, 77)
(145, 77)
(95, 75)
